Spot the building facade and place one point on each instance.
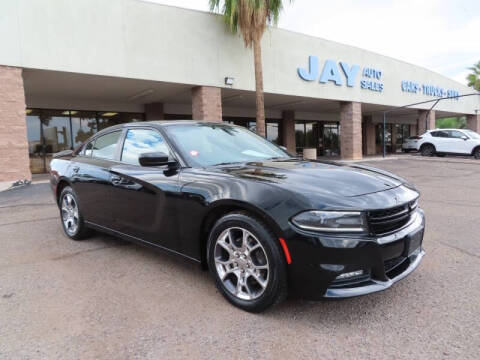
(70, 68)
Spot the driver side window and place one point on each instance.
(456, 134)
(139, 141)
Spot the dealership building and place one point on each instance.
(70, 68)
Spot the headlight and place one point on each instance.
(331, 221)
(413, 204)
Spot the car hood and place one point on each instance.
(317, 177)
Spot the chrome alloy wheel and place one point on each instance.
(70, 214)
(241, 263)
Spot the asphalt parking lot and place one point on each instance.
(104, 298)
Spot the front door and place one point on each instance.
(147, 196)
(456, 142)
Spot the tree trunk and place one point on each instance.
(257, 59)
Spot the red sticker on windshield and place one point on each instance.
(194, 152)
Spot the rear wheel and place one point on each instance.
(72, 220)
(246, 262)
(428, 150)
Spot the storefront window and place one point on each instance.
(84, 125)
(272, 132)
(34, 136)
(56, 132)
(379, 138)
(299, 136)
(310, 136)
(272, 127)
(51, 131)
(331, 143)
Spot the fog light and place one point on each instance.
(350, 274)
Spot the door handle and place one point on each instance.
(115, 179)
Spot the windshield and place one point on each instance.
(212, 144)
(472, 134)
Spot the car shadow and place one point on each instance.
(326, 311)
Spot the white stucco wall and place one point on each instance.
(136, 39)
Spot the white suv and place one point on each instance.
(445, 141)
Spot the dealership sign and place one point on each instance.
(331, 72)
(430, 90)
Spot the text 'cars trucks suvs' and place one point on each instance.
(264, 223)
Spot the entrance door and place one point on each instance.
(331, 144)
(379, 138)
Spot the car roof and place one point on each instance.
(446, 129)
(155, 123)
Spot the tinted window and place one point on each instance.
(106, 145)
(443, 134)
(139, 141)
(456, 134)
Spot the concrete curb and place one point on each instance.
(8, 185)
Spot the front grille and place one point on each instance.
(388, 220)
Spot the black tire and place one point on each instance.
(275, 290)
(476, 153)
(80, 232)
(428, 150)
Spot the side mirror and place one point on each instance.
(464, 137)
(155, 159)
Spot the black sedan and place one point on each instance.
(264, 223)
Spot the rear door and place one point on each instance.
(148, 196)
(440, 140)
(92, 178)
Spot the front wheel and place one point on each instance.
(72, 220)
(476, 153)
(245, 259)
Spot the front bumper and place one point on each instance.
(384, 261)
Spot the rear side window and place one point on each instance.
(105, 146)
(442, 134)
(89, 148)
(139, 141)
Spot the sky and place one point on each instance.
(440, 35)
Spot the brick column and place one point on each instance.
(351, 130)
(154, 111)
(369, 145)
(473, 122)
(422, 115)
(413, 130)
(14, 159)
(207, 103)
(288, 133)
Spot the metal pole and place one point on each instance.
(428, 114)
(384, 133)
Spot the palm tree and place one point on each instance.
(474, 77)
(252, 18)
